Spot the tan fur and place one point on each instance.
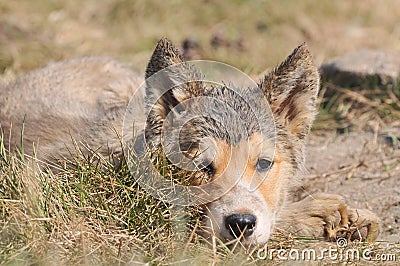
(85, 100)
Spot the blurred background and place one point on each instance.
(251, 35)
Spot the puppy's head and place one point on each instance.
(253, 156)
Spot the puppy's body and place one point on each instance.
(85, 100)
(82, 99)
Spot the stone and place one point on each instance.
(363, 68)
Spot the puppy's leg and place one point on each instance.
(327, 215)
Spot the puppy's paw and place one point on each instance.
(327, 215)
(364, 225)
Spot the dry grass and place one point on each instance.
(359, 108)
(86, 213)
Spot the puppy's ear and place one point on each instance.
(169, 81)
(164, 55)
(291, 90)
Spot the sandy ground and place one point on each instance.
(362, 168)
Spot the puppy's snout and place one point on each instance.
(240, 224)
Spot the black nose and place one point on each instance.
(240, 224)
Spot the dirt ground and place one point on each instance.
(361, 167)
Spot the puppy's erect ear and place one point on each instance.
(291, 90)
(168, 83)
(164, 55)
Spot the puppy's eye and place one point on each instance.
(263, 165)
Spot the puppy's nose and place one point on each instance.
(240, 224)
